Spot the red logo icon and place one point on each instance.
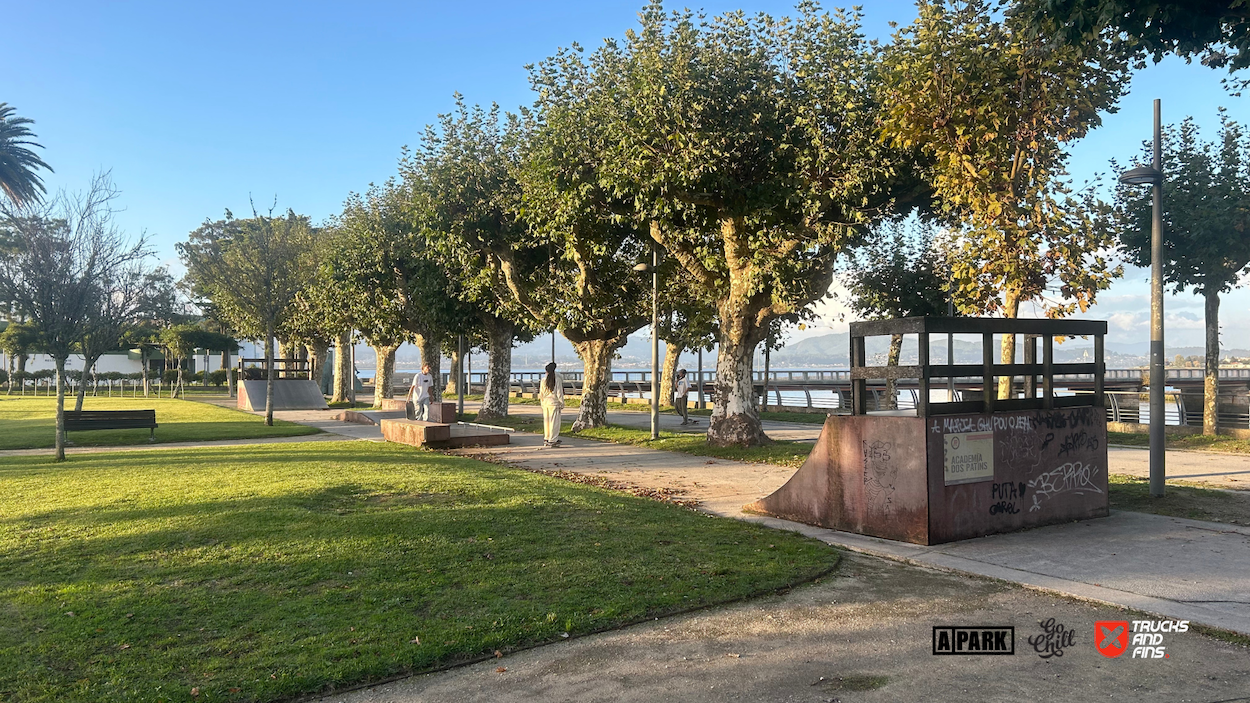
(1111, 637)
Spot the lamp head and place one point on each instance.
(642, 268)
(1141, 176)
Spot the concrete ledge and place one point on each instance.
(391, 404)
(415, 432)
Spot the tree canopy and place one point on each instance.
(19, 180)
(1217, 31)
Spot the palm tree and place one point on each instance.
(18, 179)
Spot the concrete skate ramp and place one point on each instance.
(288, 394)
(940, 479)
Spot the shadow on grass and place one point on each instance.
(254, 573)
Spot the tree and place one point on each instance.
(68, 247)
(1217, 30)
(1206, 226)
(750, 149)
(582, 241)
(118, 310)
(463, 198)
(179, 342)
(18, 164)
(391, 282)
(995, 112)
(252, 270)
(898, 273)
(17, 341)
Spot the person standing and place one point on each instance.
(419, 394)
(551, 397)
(680, 393)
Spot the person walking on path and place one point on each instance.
(680, 393)
(551, 397)
(419, 395)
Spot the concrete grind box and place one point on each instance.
(934, 477)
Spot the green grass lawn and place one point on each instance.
(268, 572)
(1197, 442)
(30, 423)
(1184, 500)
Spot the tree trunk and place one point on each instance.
(60, 408)
(891, 393)
(596, 357)
(319, 351)
(668, 375)
(735, 417)
(1211, 379)
(82, 387)
(431, 349)
(271, 374)
(342, 368)
(384, 373)
(143, 366)
(225, 366)
(1011, 310)
(499, 369)
(452, 390)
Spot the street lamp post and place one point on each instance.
(1153, 176)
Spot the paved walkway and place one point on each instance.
(1177, 568)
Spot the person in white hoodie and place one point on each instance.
(551, 397)
(419, 394)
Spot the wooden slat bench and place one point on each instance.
(81, 420)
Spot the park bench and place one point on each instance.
(80, 420)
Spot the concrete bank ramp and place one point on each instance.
(288, 394)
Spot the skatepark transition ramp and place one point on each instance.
(966, 467)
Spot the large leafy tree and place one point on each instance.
(1206, 226)
(386, 274)
(1216, 30)
(19, 180)
(750, 149)
(583, 231)
(252, 269)
(996, 112)
(463, 197)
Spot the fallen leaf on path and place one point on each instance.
(500, 669)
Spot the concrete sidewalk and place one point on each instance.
(1185, 569)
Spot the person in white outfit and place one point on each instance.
(551, 397)
(419, 394)
(680, 395)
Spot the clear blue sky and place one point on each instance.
(194, 106)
